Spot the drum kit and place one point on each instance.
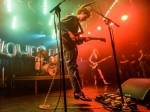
(50, 67)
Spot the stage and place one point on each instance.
(24, 100)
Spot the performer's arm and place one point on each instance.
(124, 61)
(140, 57)
(65, 33)
(90, 60)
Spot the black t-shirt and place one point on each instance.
(69, 23)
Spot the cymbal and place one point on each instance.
(42, 53)
(54, 54)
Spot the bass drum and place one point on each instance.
(50, 69)
(44, 69)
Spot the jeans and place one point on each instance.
(70, 56)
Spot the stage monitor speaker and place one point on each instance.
(138, 88)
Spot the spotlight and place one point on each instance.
(99, 28)
(124, 17)
(89, 32)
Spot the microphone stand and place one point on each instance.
(107, 22)
(40, 58)
(57, 12)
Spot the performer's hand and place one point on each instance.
(71, 36)
(87, 39)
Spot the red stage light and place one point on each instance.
(124, 17)
(89, 32)
(98, 28)
(111, 24)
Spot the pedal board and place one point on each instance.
(114, 102)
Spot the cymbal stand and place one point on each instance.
(40, 60)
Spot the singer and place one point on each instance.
(70, 26)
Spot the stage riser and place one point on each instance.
(42, 85)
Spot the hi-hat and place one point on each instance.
(42, 53)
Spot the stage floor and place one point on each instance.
(20, 100)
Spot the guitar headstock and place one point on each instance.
(102, 39)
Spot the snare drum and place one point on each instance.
(50, 69)
(44, 68)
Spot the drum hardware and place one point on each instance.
(39, 60)
(50, 69)
(38, 64)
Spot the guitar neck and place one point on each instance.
(96, 38)
(104, 59)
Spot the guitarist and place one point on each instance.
(94, 59)
(70, 25)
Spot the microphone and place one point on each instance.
(87, 4)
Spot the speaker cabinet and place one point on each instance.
(138, 88)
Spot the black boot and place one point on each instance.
(81, 96)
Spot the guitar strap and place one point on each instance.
(77, 40)
(80, 27)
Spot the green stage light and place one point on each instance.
(14, 22)
(51, 20)
(45, 7)
(8, 5)
(53, 34)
